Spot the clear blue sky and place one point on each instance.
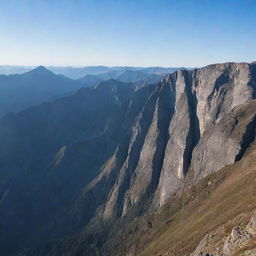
(127, 32)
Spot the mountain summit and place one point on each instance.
(40, 70)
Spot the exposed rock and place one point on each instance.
(220, 245)
(207, 112)
(251, 227)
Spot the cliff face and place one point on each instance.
(105, 151)
(190, 126)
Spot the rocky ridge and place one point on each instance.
(186, 125)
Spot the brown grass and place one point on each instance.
(249, 247)
(232, 193)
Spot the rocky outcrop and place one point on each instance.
(217, 245)
(212, 93)
(223, 141)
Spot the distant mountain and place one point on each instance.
(79, 72)
(112, 74)
(132, 76)
(9, 70)
(162, 70)
(139, 77)
(58, 143)
(20, 91)
(109, 72)
(90, 80)
(149, 79)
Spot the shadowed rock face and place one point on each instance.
(104, 151)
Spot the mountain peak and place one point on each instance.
(40, 70)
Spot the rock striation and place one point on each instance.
(193, 124)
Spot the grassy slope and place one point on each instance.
(205, 207)
(179, 226)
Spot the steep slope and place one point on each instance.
(48, 153)
(211, 209)
(199, 221)
(18, 92)
(131, 153)
(185, 126)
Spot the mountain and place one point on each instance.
(133, 76)
(165, 169)
(20, 91)
(106, 73)
(80, 72)
(77, 133)
(162, 70)
(90, 80)
(138, 77)
(9, 70)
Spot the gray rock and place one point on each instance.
(195, 123)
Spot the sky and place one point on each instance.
(169, 33)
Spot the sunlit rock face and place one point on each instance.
(190, 126)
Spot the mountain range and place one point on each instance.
(143, 164)
(19, 91)
(79, 72)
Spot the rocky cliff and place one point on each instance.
(193, 124)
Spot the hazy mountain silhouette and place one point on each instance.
(20, 91)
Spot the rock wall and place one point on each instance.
(194, 123)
